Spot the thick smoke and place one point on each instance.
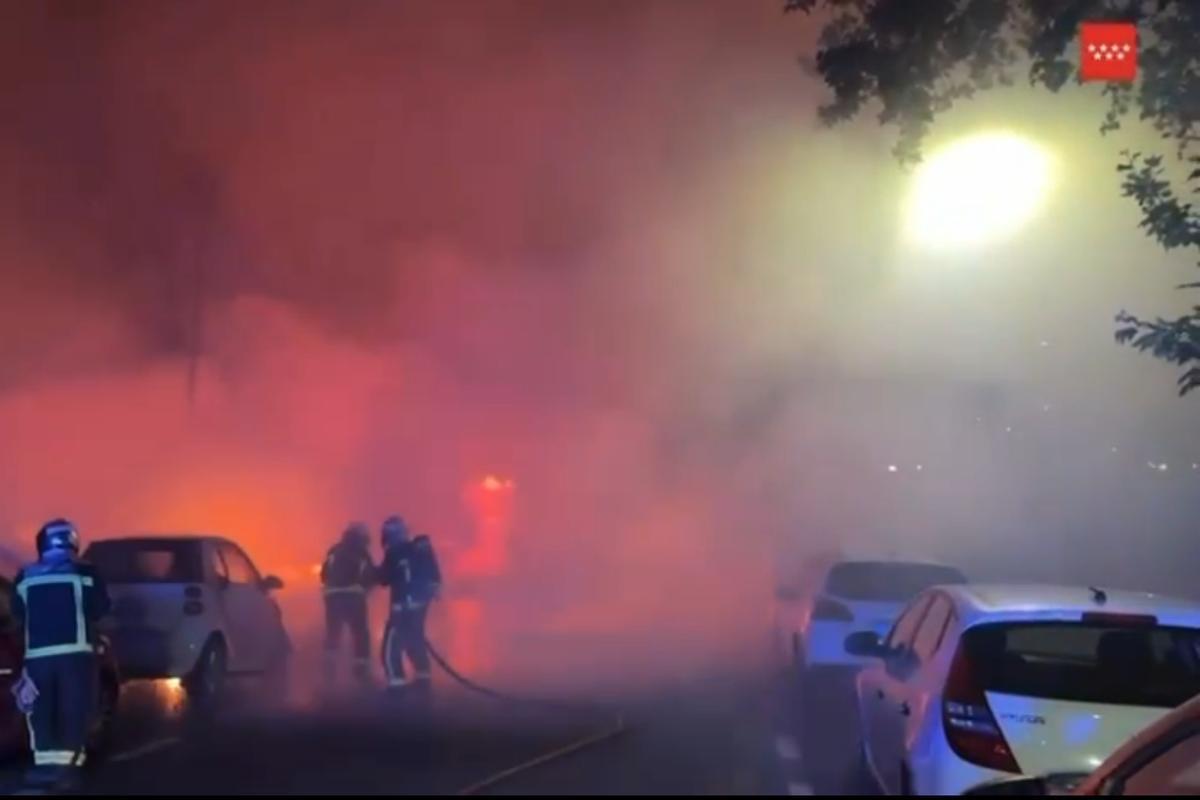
(272, 268)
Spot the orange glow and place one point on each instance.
(171, 694)
(315, 570)
(491, 506)
(468, 646)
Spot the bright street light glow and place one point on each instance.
(977, 190)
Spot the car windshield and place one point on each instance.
(887, 582)
(147, 561)
(1093, 663)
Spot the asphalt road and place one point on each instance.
(714, 734)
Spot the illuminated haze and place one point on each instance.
(599, 248)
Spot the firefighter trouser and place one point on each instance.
(66, 703)
(405, 635)
(347, 610)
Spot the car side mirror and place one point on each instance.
(865, 644)
(271, 584)
(1025, 786)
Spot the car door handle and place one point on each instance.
(905, 710)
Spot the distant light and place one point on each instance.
(1094, 761)
(919, 468)
(1162, 467)
(1046, 407)
(1114, 449)
(1008, 429)
(1195, 465)
(491, 483)
(1044, 343)
(979, 189)
(893, 468)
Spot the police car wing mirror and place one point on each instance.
(271, 584)
(865, 644)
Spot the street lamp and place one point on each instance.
(977, 190)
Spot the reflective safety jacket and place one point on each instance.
(59, 600)
(410, 570)
(347, 570)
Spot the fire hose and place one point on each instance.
(615, 729)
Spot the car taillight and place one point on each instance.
(192, 605)
(971, 728)
(831, 611)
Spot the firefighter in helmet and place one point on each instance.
(411, 573)
(58, 600)
(347, 575)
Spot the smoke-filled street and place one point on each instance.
(709, 736)
(605, 396)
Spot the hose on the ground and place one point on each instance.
(464, 681)
(615, 729)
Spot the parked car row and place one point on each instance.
(968, 686)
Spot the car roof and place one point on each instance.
(881, 562)
(978, 603)
(160, 538)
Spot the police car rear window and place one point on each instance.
(1144, 665)
(147, 561)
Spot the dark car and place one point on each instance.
(14, 733)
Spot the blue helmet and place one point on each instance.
(395, 531)
(58, 534)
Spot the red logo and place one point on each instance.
(1108, 51)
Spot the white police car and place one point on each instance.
(975, 683)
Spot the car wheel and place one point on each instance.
(206, 682)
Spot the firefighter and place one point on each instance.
(347, 575)
(58, 599)
(410, 571)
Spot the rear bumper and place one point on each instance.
(142, 652)
(937, 770)
(145, 653)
